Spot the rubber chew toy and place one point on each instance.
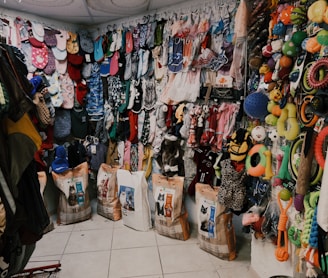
(268, 165)
(258, 169)
(307, 120)
(278, 181)
(318, 150)
(287, 124)
(282, 251)
(283, 171)
(304, 170)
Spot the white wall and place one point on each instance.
(263, 260)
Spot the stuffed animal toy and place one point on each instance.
(258, 133)
(239, 145)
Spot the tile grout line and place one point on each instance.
(159, 254)
(110, 250)
(70, 234)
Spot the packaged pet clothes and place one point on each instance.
(108, 204)
(216, 233)
(171, 217)
(74, 203)
(133, 196)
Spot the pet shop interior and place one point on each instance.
(122, 118)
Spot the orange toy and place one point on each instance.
(282, 251)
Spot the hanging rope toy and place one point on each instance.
(282, 251)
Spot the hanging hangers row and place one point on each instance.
(208, 9)
(9, 20)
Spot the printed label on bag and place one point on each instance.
(126, 197)
(164, 198)
(206, 217)
(75, 192)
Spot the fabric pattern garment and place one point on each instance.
(175, 58)
(149, 93)
(95, 101)
(115, 89)
(232, 191)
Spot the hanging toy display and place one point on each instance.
(302, 170)
(281, 252)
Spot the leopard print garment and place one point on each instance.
(232, 191)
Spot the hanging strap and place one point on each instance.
(208, 93)
(7, 193)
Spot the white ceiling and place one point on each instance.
(87, 12)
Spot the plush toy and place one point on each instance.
(239, 144)
(274, 20)
(275, 95)
(258, 133)
(316, 11)
(275, 138)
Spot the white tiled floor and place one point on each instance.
(100, 248)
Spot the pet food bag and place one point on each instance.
(171, 217)
(74, 203)
(216, 233)
(108, 204)
(133, 197)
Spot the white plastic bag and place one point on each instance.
(133, 196)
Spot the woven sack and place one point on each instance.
(216, 234)
(74, 203)
(171, 217)
(108, 204)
